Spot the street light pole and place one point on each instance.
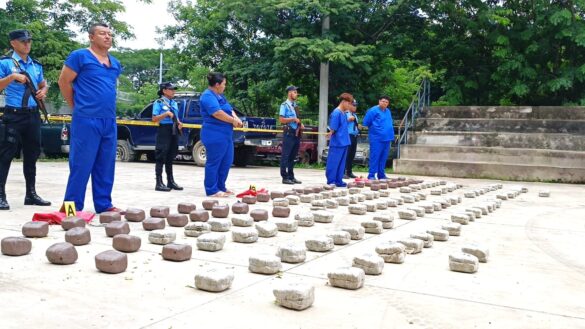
(160, 70)
(323, 97)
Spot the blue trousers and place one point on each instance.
(378, 156)
(219, 149)
(92, 152)
(290, 149)
(336, 165)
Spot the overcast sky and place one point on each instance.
(144, 19)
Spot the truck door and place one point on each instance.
(144, 135)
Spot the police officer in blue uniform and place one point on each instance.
(339, 141)
(353, 130)
(219, 121)
(165, 111)
(378, 119)
(88, 83)
(291, 136)
(21, 122)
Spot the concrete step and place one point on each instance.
(502, 125)
(567, 142)
(507, 112)
(535, 157)
(491, 170)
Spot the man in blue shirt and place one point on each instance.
(353, 130)
(21, 122)
(339, 141)
(88, 84)
(291, 137)
(378, 119)
(165, 111)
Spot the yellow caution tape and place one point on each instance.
(59, 118)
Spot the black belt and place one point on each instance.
(17, 110)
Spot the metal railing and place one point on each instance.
(420, 101)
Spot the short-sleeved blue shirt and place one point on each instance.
(352, 126)
(210, 103)
(287, 110)
(379, 123)
(15, 90)
(338, 123)
(163, 105)
(94, 87)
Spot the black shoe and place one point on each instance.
(296, 181)
(3, 203)
(351, 175)
(345, 177)
(172, 185)
(33, 199)
(160, 186)
(288, 181)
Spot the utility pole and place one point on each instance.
(160, 69)
(323, 97)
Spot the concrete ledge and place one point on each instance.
(536, 157)
(504, 171)
(502, 125)
(566, 142)
(507, 112)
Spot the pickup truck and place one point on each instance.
(135, 140)
(271, 150)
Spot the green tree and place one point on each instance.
(50, 22)
(266, 45)
(508, 52)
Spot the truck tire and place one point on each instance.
(124, 151)
(243, 156)
(305, 157)
(199, 154)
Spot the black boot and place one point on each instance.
(160, 186)
(3, 203)
(32, 199)
(171, 182)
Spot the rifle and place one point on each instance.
(299, 130)
(175, 120)
(33, 90)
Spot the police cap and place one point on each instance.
(168, 85)
(20, 35)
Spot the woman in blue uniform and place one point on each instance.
(219, 121)
(339, 141)
(378, 119)
(164, 110)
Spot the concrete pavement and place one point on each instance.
(535, 277)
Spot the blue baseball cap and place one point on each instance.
(291, 88)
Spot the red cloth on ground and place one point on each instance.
(55, 218)
(252, 192)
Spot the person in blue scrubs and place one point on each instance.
(88, 84)
(21, 122)
(353, 130)
(339, 141)
(219, 121)
(164, 110)
(378, 119)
